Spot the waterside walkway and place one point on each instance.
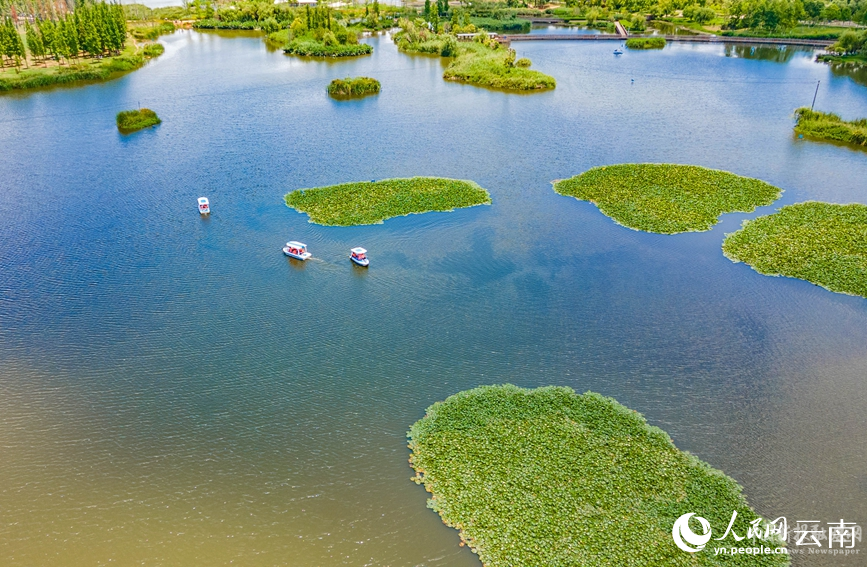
(688, 38)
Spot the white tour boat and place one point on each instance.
(204, 206)
(359, 256)
(297, 250)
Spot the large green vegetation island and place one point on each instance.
(90, 43)
(481, 62)
(827, 126)
(823, 243)
(353, 87)
(129, 121)
(667, 198)
(371, 202)
(550, 478)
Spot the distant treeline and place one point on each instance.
(92, 29)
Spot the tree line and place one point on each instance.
(92, 29)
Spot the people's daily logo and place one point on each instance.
(685, 538)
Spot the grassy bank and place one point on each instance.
(371, 202)
(129, 121)
(482, 62)
(797, 32)
(353, 87)
(823, 243)
(483, 66)
(645, 43)
(549, 478)
(88, 70)
(152, 30)
(827, 126)
(506, 25)
(667, 198)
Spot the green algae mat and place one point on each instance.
(549, 478)
(823, 243)
(667, 198)
(371, 202)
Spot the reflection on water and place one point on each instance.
(552, 29)
(775, 53)
(177, 392)
(857, 73)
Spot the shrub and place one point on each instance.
(645, 43)
(353, 87)
(523, 63)
(133, 120)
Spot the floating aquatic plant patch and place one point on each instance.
(667, 198)
(353, 87)
(827, 126)
(823, 243)
(549, 478)
(133, 120)
(371, 202)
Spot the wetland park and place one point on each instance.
(575, 366)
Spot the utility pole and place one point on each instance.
(814, 95)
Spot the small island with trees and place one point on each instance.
(315, 32)
(667, 198)
(828, 126)
(350, 87)
(550, 478)
(129, 121)
(371, 202)
(482, 62)
(823, 243)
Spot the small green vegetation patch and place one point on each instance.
(481, 65)
(823, 243)
(827, 126)
(667, 198)
(132, 120)
(645, 43)
(310, 47)
(549, 478)
(353, 87)
(371, 202)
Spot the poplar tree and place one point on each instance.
(34, 41)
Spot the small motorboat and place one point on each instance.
(618, 52)
(204, 206)
(296, 250)
(359, 256)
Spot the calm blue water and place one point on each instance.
(174, 391)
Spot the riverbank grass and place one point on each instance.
(129, 121)
(827, 126)
(550, 478)
(823, 243)
(482, 62)
(480, 65)
(645, 43)
(87, 70)
(353, 87)
(667, 198)
(371, 202)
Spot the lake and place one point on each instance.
(174, 391)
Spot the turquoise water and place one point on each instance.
(174, 391)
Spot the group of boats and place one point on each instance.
(295, 249)
(298, 251)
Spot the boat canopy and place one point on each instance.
(293, 244)
(203, 200)
(358, 251)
